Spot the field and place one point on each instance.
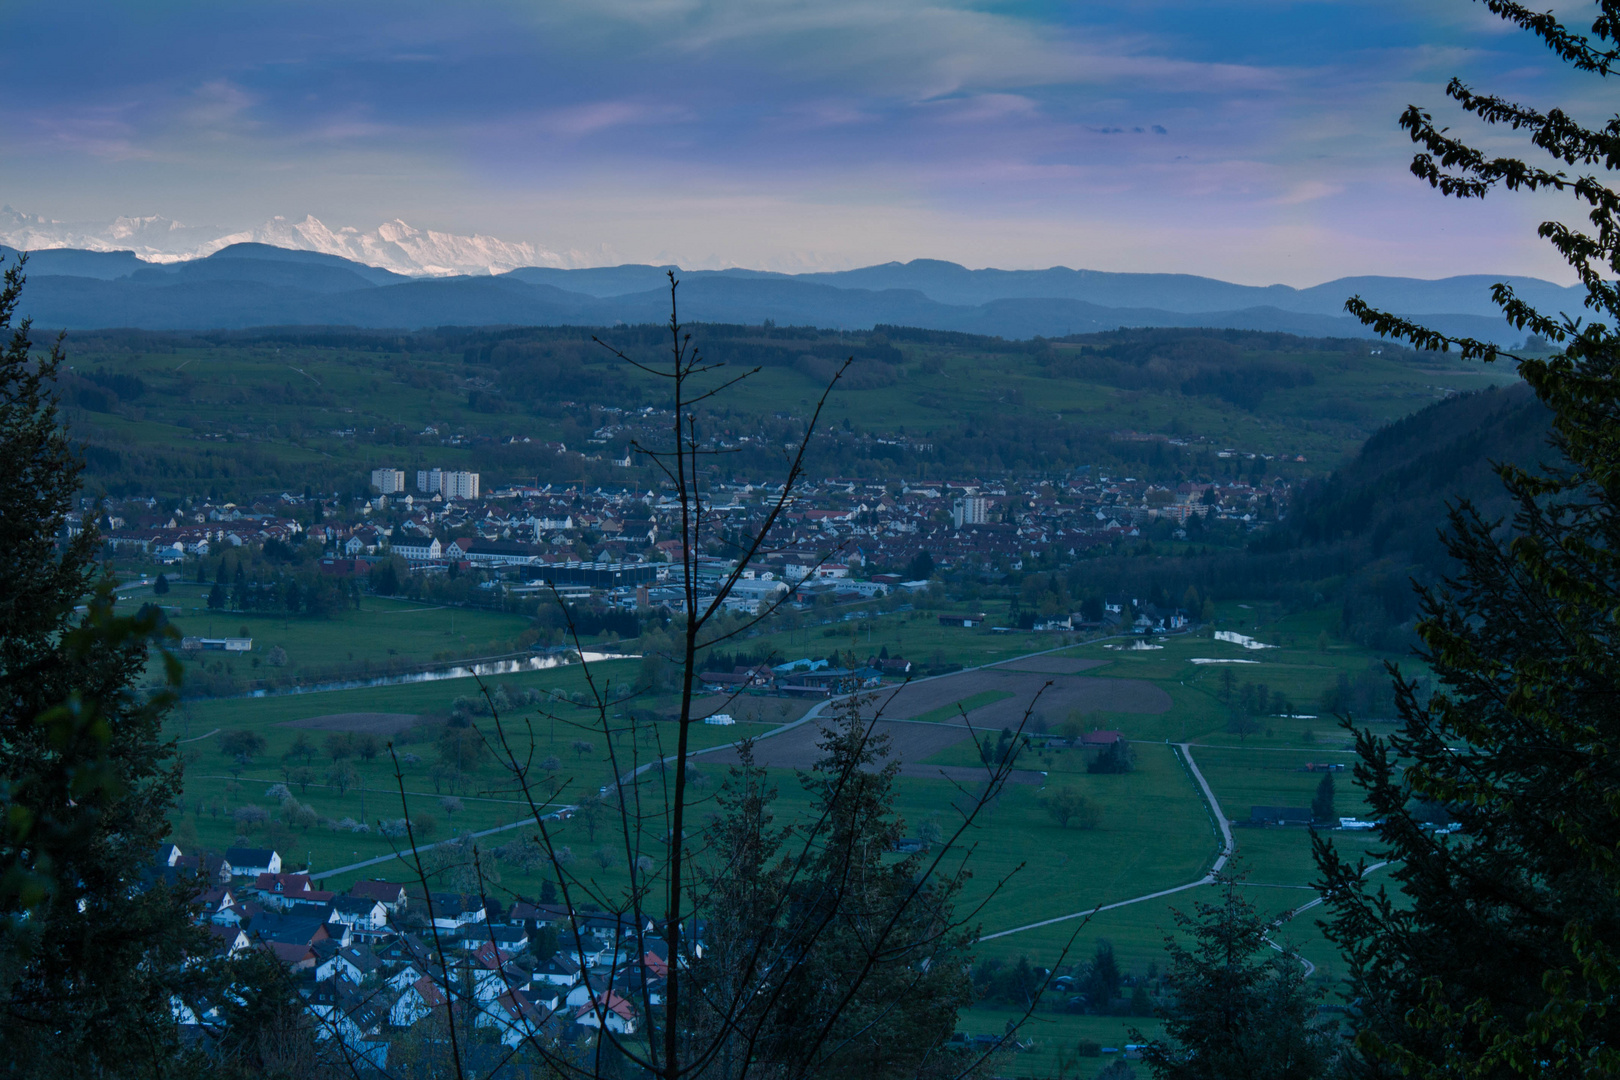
(385, 635)
(1153, 831)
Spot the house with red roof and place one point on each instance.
(610, 1010)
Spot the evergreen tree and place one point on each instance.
(1322, 803)
(160, 587)
(846, 966)
(1495, 953)
(92, 952)
(1238, 1008)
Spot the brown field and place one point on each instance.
(1066, 693)
(378, 723)
(797, 749)
(1051, 665)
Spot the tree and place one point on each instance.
(1066, 804)
(1322, 802)
(1493, 952)
(1238, 1008)
(367, 746)
(1241, 722)
(1117, 759)
(589, 813)
(339, 745)
(827, 956)
(921, 567)
(86, 780)
(160, 587)
(301, 749)
(1102, 977)
(241, 743)
(854, 920)
(342, 777)
(216, 598)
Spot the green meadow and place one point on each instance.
(1153, 829)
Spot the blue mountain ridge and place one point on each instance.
(258, 285)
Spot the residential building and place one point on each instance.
(388, 481)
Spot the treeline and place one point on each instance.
(1360, 538)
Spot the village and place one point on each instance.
(375, 962)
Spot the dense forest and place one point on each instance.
(232, 414)
(1363, 536)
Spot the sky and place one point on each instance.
(1252, 141)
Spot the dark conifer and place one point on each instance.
(1493, 951)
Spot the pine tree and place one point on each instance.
(1322, 803)
(845, 966)
(1494, 953)
(1238, 1008)
(95, 951)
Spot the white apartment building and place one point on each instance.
(451, 485)
(970, 510)
(388, 481)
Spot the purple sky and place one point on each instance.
(1252, 141)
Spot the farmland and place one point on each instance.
(1153, 830)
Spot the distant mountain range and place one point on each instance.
(256, 284)
(393, 245)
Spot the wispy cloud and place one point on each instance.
(998, 131)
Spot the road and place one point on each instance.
(812, 714)
(1221, 857)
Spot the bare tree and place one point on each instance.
(739, 945)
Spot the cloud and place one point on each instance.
(510, 117)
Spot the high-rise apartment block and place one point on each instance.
(451, 485)
(971, 510)
(388, 481)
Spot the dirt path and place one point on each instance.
(1214, 808)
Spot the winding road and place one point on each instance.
(1225, 829)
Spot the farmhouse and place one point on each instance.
(1280, 815)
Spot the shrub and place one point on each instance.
(298, 815)
(1066, 804)
(241, 744)
(249, 818)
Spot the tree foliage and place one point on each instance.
(1494, 953)
(1238, 1007)
(94, 949)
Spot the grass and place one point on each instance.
(385, 633)
(961, 708)
(1053, 1038)
(1154, 831)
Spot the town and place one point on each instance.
(835, 535)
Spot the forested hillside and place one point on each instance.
(1360, 537)
(233, 414)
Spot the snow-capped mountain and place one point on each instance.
(393, 245)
